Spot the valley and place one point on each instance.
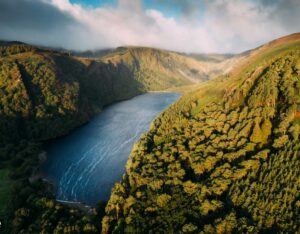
(223, 159)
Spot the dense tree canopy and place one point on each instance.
(224, 163)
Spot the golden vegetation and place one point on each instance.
(223, 159)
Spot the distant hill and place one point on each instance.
(216, 58)
(92, 53)
(154, 69)
(224, 158)
(157, 69)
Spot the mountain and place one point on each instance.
(157, 69)
(224, 158)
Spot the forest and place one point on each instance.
(223, 159)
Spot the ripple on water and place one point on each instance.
(85, 164)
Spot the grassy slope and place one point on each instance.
(224, 158)
(157, 68)
(215, 89)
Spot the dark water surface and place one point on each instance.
(86, 164)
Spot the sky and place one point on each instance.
(192, 26)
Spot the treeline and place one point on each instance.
(7, 48)
(227, 163)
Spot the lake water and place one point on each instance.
(86, 164)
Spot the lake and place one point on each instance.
(86, 164)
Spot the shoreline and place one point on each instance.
(87, 209)
(47, 141)
(42, 157)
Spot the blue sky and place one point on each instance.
(167, 7)
(95, 3)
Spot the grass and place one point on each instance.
(214, 90)
(263, 56)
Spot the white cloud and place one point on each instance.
(227, 26)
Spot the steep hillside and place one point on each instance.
(223, 159)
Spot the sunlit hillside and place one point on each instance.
(157, 69)
(224, 158)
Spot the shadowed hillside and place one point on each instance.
(45, 93)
